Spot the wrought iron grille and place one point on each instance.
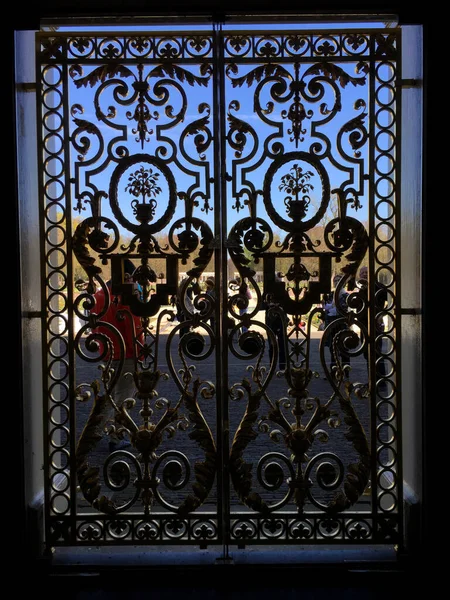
(219, 216)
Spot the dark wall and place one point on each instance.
(29, 16)
(24, 18)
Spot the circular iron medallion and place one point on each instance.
(144, 182)
(291, 183)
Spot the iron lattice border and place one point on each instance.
(53, 57)
(384, 258)
(202, 530)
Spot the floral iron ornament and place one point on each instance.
(142, 469)
(296, 183)
(344, 236)
(299, 437)
(146, 437)
(165, 73)
(144, 183)
(286, 87)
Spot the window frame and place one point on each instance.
(30, 512)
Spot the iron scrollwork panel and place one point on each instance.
(130, 205)
(305, 112)
(129, 121)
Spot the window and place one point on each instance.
(267, 160)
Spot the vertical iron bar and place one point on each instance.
(220, 280)
(371, 282)
(70, 312)
(224, 296)
(397, 265)
(216, 191)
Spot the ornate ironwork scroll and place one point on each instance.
(153, 352)
(304, 117)
(129, 160)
